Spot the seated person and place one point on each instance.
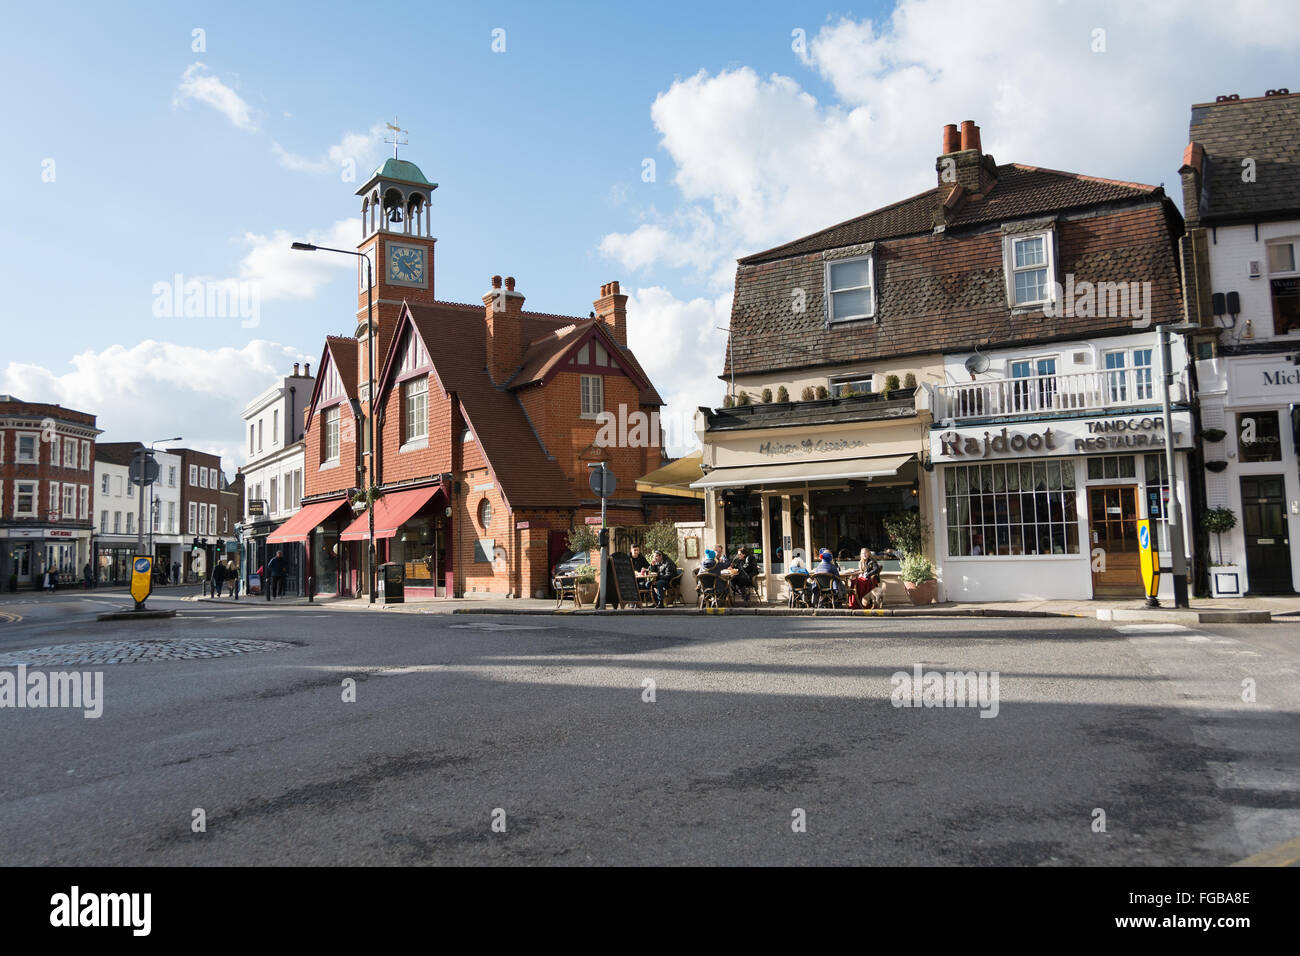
(639, 564)
(797, 566)
(746, 566)
(710, 562)
(723, 561)
(827, 565)
(664, 572)
(866, 580)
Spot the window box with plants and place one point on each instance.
(1225, 575)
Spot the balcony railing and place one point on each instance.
(1078, 392)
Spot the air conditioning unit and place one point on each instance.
(1255, 269)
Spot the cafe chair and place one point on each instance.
(673, 593)
(565, 589)
(711, 590)
(825, 590)
(797, 585)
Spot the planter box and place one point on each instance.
(924, 593)
(1225, 580)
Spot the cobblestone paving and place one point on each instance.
(135, 652)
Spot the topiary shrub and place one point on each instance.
(891, 383)
(767, 396)
(743, 398)
(782, 395)
(729, 402)
(807, 394)
(906, 531)
(909, 380)
(822, 392)
(1217, 521)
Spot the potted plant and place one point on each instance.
(917, 574)
(783, 394)
(584, 579)
(1225, 577)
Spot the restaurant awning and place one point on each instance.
(391, 512)
(674, 478)
(301, 524)
(803, 471)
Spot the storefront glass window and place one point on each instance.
(1258, 436)
(744, 523)
(1111, 466)
(1011, 508)
(1157, 487)
(324, 561)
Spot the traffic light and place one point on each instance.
(220, 545)
(196, 547)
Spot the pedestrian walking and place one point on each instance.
(232, 579)
(218, 578)
(176, 572)
(88, 575)
(275, 568)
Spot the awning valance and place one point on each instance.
(301, 524)
(392, 511)
(803, 471)
(674, 478)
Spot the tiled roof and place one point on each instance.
(1021, 191)
(828, 411)
(1264, 129)
(947, 292)
(529, 478)
(544, 354)
(343, 350)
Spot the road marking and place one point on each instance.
(1285, 854)
(8, 617)
(1151, 628)
(494, 626)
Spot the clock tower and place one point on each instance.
(395, 234)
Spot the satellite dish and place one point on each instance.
(979, 362)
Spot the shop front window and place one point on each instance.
(325, 562)
(1157, 487)
(1011, 508)
(744, 523)
(1259, 437)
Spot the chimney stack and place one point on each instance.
(295, 369)
(964, 171)
(504, 346)
(611, 309)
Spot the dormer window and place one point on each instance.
(1029, 269)
(850, 289)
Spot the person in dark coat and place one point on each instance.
(275, 571)
(218, 578)
(665, 570)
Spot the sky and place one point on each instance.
(153, 145)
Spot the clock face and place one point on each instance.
(406, 264)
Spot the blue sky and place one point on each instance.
(169, 160)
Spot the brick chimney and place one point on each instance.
(611, 308)
(504, 348)
(964, 171)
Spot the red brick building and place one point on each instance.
(47, 471)
(206, 514)
(487, 417)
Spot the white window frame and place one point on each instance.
(415, 409)
(330, 421)
(55, 452)
(36, 448)
(103, 522)
(117, 522)
(171, 517)
(214, 480)
(85, 456)
(831, 318)
(83, 502)
(212, 519)
(54, 500)
(272, 504)
(836, 384)
(1010, 269)
(275, 427)
(69, 498)
(171, 476)
(35, 494)
(193, 522)
(597, 393)
(104, 483)
(194, 476)
(70, 451)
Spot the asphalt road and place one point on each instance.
(543, 724)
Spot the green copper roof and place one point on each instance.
(401, 169)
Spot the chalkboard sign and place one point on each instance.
(622, 587)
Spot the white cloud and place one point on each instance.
(198, 84)
(279, 272)
(355, 152)
(678, 344)
(159, 389)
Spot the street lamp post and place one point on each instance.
(370, 388)
(1174, 511)
(154, 504)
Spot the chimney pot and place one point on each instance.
(496, 282)
(613, 287)
(306, 370)
(510, 283)
(951, 141)
(295, 369)
(970, 135)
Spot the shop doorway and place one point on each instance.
(1268, 545)
(22, 563)
(1112, 525)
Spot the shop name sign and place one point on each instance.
(1079, 438)
(1282, 376)
(809, 446)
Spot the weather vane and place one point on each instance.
(395, 141)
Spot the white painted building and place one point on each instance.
(118, 512)
(1241, 255)
(273, 474)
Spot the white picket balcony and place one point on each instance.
(1077, 392)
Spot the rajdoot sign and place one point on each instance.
(1136, 433)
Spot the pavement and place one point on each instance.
(248, 734)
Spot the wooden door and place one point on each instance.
(1112, 527)
(1268, 543)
